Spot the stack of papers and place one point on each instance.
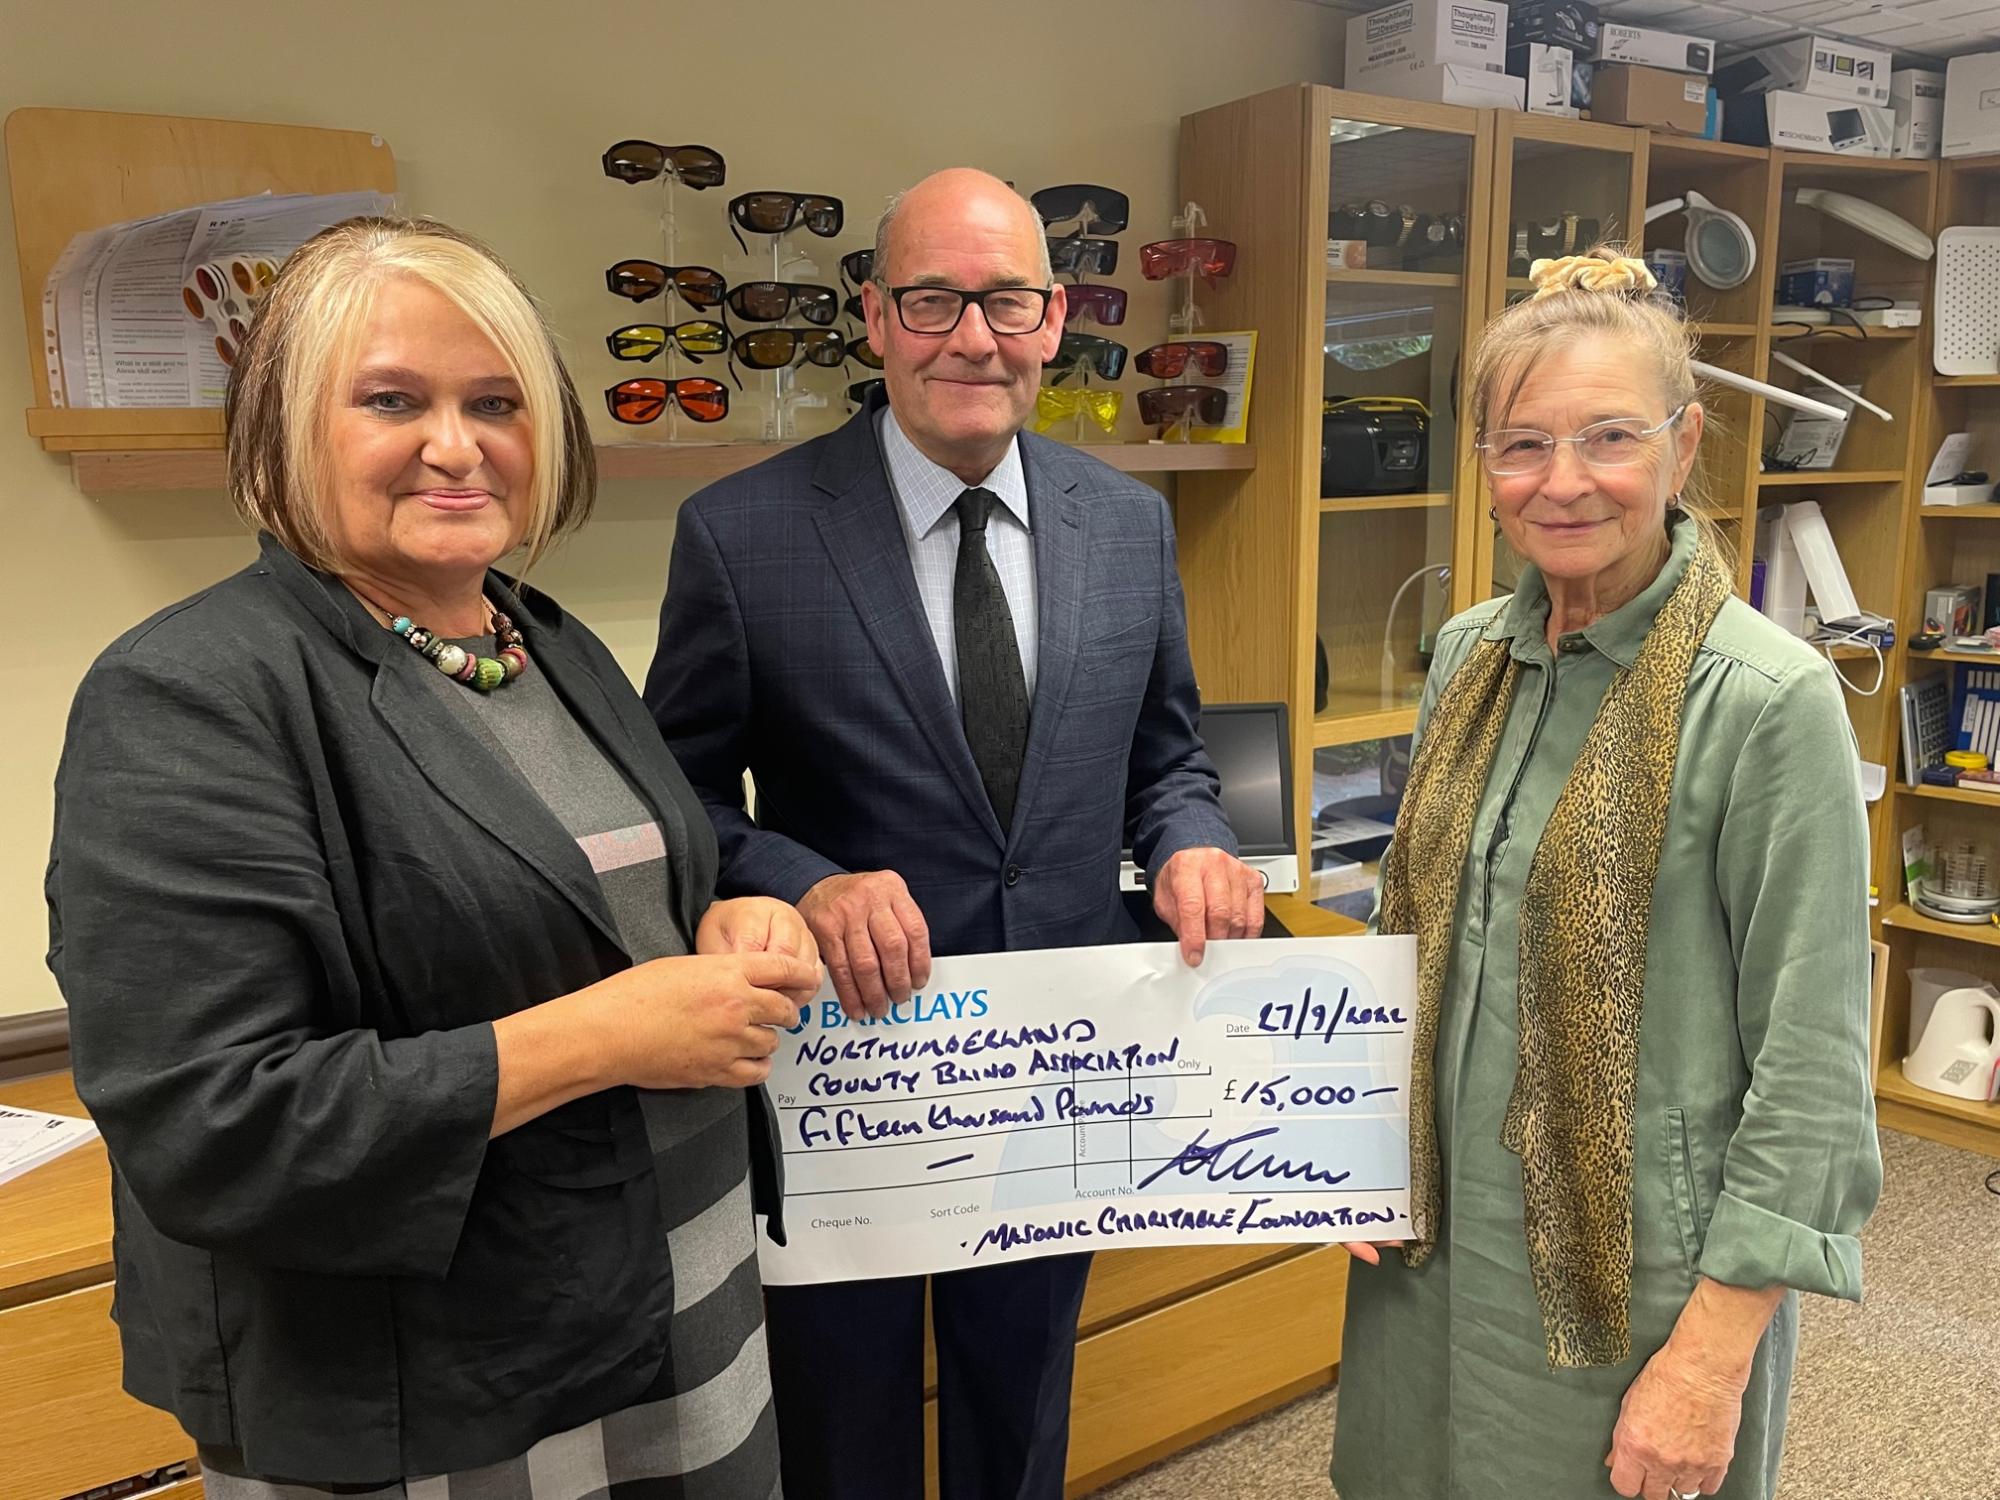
(29, 1138)
(114, 329)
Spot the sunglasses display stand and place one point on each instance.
(780, 425)
(669, 237)
(1187, 317)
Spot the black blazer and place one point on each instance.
(287, 892)
(793, 641)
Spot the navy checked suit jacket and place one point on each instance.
(793, 643)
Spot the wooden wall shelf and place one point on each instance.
(58, 163)
(126, 472)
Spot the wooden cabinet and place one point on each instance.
(66, 1424)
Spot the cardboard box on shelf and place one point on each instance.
(1654, 49)
(1823, 281)
(1559, 23)
(1916, 95)
(1670, 269)
(1544, 69)
(1805, 122)
(1971, 105)
(1622, 94)
(1417, 36)
(1821, 65)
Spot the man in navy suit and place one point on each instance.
(953, 657)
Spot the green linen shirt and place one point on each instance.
(1754, 1150)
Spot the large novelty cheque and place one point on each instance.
(1099, 1098)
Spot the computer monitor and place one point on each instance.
(1250, 746)
(1247, 743)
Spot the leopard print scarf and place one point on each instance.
(1584, 918)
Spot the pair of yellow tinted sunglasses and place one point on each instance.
(642, 341)
(1055, 405)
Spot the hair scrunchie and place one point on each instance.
(1623, 274)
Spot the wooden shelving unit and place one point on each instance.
(1938, 548)
(1285, 567)
(1285, 563)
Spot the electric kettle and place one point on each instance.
(1954, 1034)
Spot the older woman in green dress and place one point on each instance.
(1633, 853)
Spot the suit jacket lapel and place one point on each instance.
(494, 795)
(864, 538)
(1061, 540)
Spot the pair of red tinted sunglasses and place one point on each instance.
(1168, 361)
(1096, 302)
(1209, 259)
(640, 401)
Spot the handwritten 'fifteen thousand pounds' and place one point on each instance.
(1094, 1098)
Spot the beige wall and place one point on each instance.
(497, 115)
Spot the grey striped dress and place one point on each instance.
(705, 1431)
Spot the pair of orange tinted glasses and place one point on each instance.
(640, 401)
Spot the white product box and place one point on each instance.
(1448, 83)
(1651, 49)
(1971, 105)
(1917, 97)
(1811, 65)
(1805, 122)
(1415, 36)
(1546, 72)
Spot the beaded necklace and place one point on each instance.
(482, 673)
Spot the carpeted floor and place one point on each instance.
(1897, 1399)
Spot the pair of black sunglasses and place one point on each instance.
(857, 266)
(779, 213)
(777, 348)
(642, 161)
(1098, 210)
(642, 280)
(1079, 255)
(772, 301)
(1079, 351)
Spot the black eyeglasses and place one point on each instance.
(769, 301)
(858, 266)
(1080, 350)
(776, 213)
(937, 309)
(1077, 255)
(642, 280)
(1100, 210)
(775, 348)
(697, 167)
(859, 392)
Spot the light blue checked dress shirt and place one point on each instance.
(925, 494)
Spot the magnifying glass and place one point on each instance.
(1721, 251)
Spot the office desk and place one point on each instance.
(65, 1424)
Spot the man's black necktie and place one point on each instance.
(992, 690)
